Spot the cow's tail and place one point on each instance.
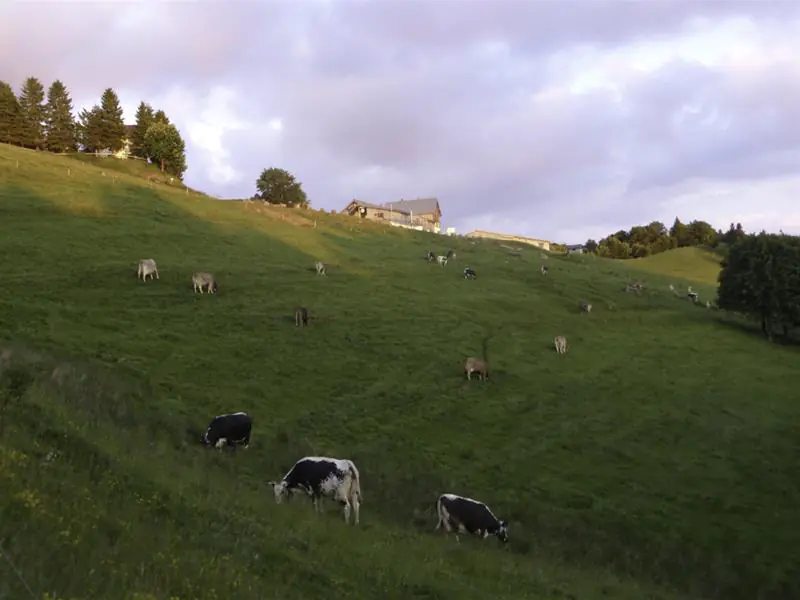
(356, 481)
(438, 507)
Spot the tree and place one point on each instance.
(161, 117)
(144, 118)
(10, 118)
(60, 126)
(112, 127)
(31, 103)
(680, 232)
(761, 278)
(164, 145)
(90, 135)
(278, 186)
(591, 246)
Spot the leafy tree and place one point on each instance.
(90, 125)
(10, 117)
(590, 245)
(144, 118)
(60, 128)
(31, 103)
(111, 128)
(278, 186)
(761, 278)
(164, 145)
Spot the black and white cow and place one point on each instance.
(229, 430)
(430, 256)
(320, 476)
(469, 273)
(465, 515)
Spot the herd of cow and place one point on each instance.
(338, 478)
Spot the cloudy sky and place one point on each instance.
(562, 119)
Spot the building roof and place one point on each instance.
(575, 246)
(419, 206)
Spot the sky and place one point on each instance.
(556, 119)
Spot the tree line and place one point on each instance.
(47, 122)
(645, 240)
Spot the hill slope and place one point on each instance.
(692, 264)
(660, 448)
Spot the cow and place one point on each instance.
(320, 476)
(692, 295)
(476, 365)
(442, 260)
(543, 269)
(430, 256)
(300, 316)
(585, 307)
(560, 344)
(204, 280)
(147, 266)
(465, 515)
(321, 268)
(229, 430)
(450, 255)
(469, 273)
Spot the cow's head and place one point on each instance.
(278, 489)
(502, 531)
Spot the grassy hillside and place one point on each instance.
(657, 459)
(692, 264)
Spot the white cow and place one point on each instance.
(442, 260)
(321, 268)
(147, 266)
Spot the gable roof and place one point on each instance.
(420, 205)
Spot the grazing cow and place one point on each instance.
(320, 476)
(692, 295)
(430, 256)
(204, 280)
(147, 266)
(442, 260)
(229, 430)
(708, 304)
(469, 273)
(321, 268)
(585, 307)
(561, 344)
(450, 255)
(478, 366)
(544, 269)
(465, 515)
(300, 316)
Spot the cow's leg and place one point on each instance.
(157, 277)
(346, 511)
(354, 501)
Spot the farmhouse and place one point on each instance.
(423, 213)
(479, 233)
(575, 249)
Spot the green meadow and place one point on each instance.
(657, 459)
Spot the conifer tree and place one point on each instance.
(90, 123)
(60, 124)
(112, 128)
(31, 102)
(161, 117)
(144, 118)
(10, 119)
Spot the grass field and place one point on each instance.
(697, 265)
(656, 460)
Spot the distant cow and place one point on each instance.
(147, 266)
(430, 256)
(465, 515)
(320, 476)
(469, 273)
(477, 366)
(691, 294)
(561, 344)
(442, 260)
(450, 255)
(544, 269)
(585, 307)
(202, 281)
(321, 268)
(229, 430)
(300, 316)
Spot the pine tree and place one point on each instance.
(161, 117)
(90, 124)
(31, 102)
(112, 127)
(10, 119)
(60, 128)
(144, 118)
